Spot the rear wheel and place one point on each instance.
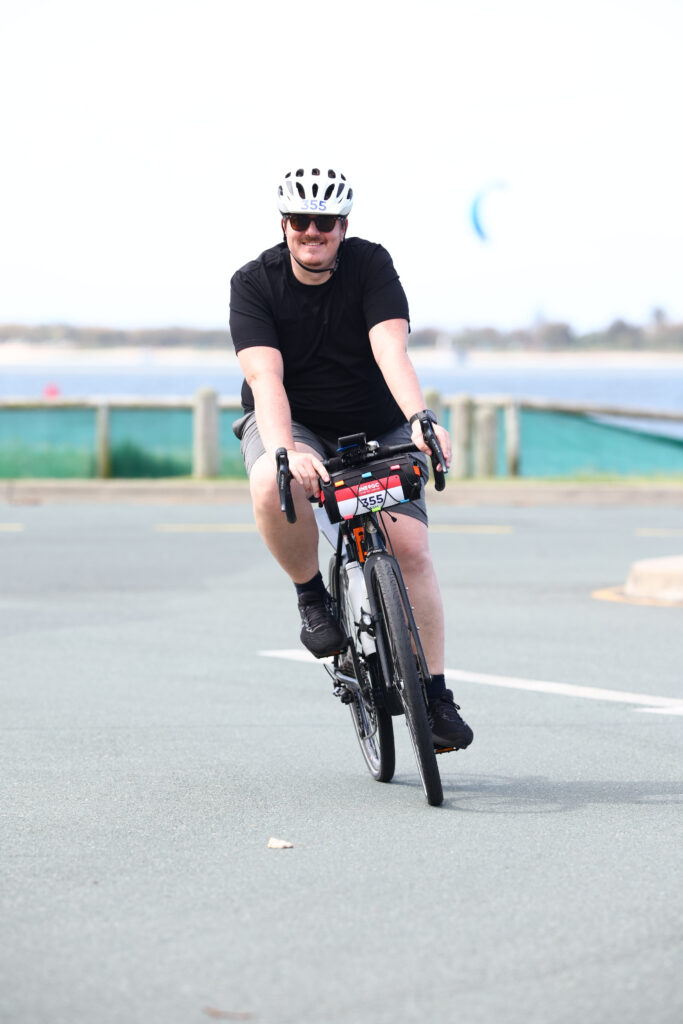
(372, 724)
(396, 626)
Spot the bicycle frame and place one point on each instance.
(362, 539)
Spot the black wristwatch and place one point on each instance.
(423, 414)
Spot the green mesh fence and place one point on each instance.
(44, 442)
(231, 463)
(150, 442)
(564, 444)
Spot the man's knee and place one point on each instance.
(263, 485)
(411, 545)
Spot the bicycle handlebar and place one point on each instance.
(358, 454)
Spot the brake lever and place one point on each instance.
(284, 477)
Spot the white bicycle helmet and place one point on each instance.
(305, 191)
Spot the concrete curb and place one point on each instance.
(659, 579)
(458, 492)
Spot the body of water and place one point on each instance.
(656, 386)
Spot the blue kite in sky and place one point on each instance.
(476, 208)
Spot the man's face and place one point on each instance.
(315, 249)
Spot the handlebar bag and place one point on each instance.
(371, 487)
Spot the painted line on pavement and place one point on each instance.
(619, 596)
(251, 528)
(468, 528)
(655, 531)
(11, 527)
(644, 701)
(205, 527)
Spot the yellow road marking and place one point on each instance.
(468, 528)
(11, 527)
(654, 531)
(251, 528)
(618, 595)
(205, 527)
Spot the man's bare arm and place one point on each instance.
(389, 341)
(264, 372)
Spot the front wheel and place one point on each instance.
(372, 724)
(396, 625)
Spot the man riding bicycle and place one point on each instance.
(320, 326)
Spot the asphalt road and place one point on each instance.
(150, 751)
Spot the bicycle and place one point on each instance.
(381, 672)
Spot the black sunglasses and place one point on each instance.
(324, 222)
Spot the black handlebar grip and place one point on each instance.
(437, 455)
(284, 478)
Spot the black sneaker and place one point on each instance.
(448, 728)
(320, 631)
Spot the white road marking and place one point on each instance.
(11, 527)
(646, 702)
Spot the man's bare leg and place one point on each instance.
(293, 545)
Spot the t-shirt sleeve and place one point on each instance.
(383, 294)
(251, 319)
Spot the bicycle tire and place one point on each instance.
(396, 631)
(372, 724)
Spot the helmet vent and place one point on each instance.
(315, 171)
(300, 173)
(328, 191)
(331, 174)
(301, 190)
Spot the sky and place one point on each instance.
(142, 143)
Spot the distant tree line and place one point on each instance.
(659, 335)
(109, 337)
(554, 337)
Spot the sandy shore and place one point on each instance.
(27, 354)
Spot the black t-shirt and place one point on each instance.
(332, 381)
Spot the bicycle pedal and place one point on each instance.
(444, 750)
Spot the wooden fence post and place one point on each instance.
(435, 403)
(512, 438)
(206, 446)
(102, 452)
(485, 431)
(461, 435)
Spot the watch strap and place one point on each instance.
(423, 414)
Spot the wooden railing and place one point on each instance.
(473, 423)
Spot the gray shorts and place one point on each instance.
(252, 449)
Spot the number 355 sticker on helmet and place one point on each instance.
(303, 191)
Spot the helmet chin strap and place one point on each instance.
(317, 270)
